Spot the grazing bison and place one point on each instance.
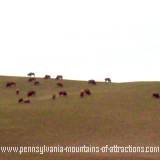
(17, 91)
(107, 80)
(63, 93)
(60, 84)
(156, 95)
(54, 96)
(27, 101)
(31, 74)
(59, 77)
(47, 77)
(92, 82)
(31, 79)
(31, 93)
(10, 84)
(82, 93)
(36, 83)
(20, 100)
(87, 91)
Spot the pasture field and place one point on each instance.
(116, 114)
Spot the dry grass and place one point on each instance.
(119, 114)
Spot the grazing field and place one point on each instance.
(115, 114)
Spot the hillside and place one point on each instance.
(120, 113)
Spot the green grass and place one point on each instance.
(120, 113)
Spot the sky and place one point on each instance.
(81, 39)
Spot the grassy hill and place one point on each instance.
(120, 113)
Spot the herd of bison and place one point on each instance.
(59, 83)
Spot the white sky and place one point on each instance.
(81, 39)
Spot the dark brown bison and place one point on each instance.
(31, 79)
(27, 101)
(87, 91)
(59, 77)
(54, 96)
(31, 93)
(60, 84)
(20, 100)
(36, 83)
(92, 82)
(156, 95)
(107, 80)
(10, 84)
(82, 93)
(47, 77)
(31, 74)
(63, 93)
(17, 91)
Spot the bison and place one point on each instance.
(59, 77)
(20, 100)
(82, 93)
(17, 91)
(31, 93)
(107, 80)
(10, 84)
(31, 79)
(63, 93)
(87, 91)
(92, 82)
(54, 96)
(156, 95)
(47, 77)
(36, 83)
(31, 74)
